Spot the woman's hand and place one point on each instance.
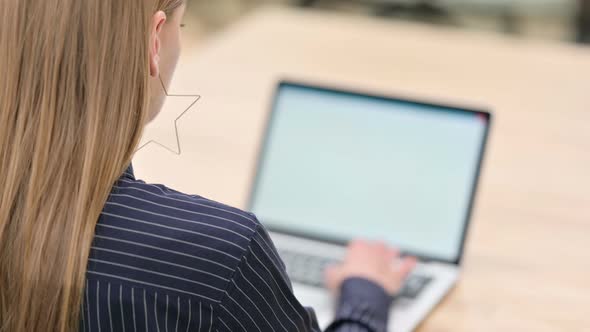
(374, 261)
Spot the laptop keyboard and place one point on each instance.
(309, 270)
(306, 269)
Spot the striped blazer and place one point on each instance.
(165, 261)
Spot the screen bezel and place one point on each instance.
(263, 145)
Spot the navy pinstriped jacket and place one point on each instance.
(162, 261)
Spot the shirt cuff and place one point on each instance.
(364, 302)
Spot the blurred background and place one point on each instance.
(561, 20)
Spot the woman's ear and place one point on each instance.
(158, 21)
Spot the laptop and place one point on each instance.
(337, 165)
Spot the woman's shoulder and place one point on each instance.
(156, 228)
(152, 236)
(172, 206)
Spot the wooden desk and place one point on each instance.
(527, 265)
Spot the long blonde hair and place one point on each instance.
(74, 81)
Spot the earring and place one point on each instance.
(148, 137)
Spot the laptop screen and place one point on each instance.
(339, 165)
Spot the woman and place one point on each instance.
(84, 246)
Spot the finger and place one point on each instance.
(392, 253)
(330, 269)
(331, 276)
(356, 243)
(381, 247)
(380, 244)
(405, 266)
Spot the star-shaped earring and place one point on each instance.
(159, 131)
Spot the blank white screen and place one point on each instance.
(348, 166)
